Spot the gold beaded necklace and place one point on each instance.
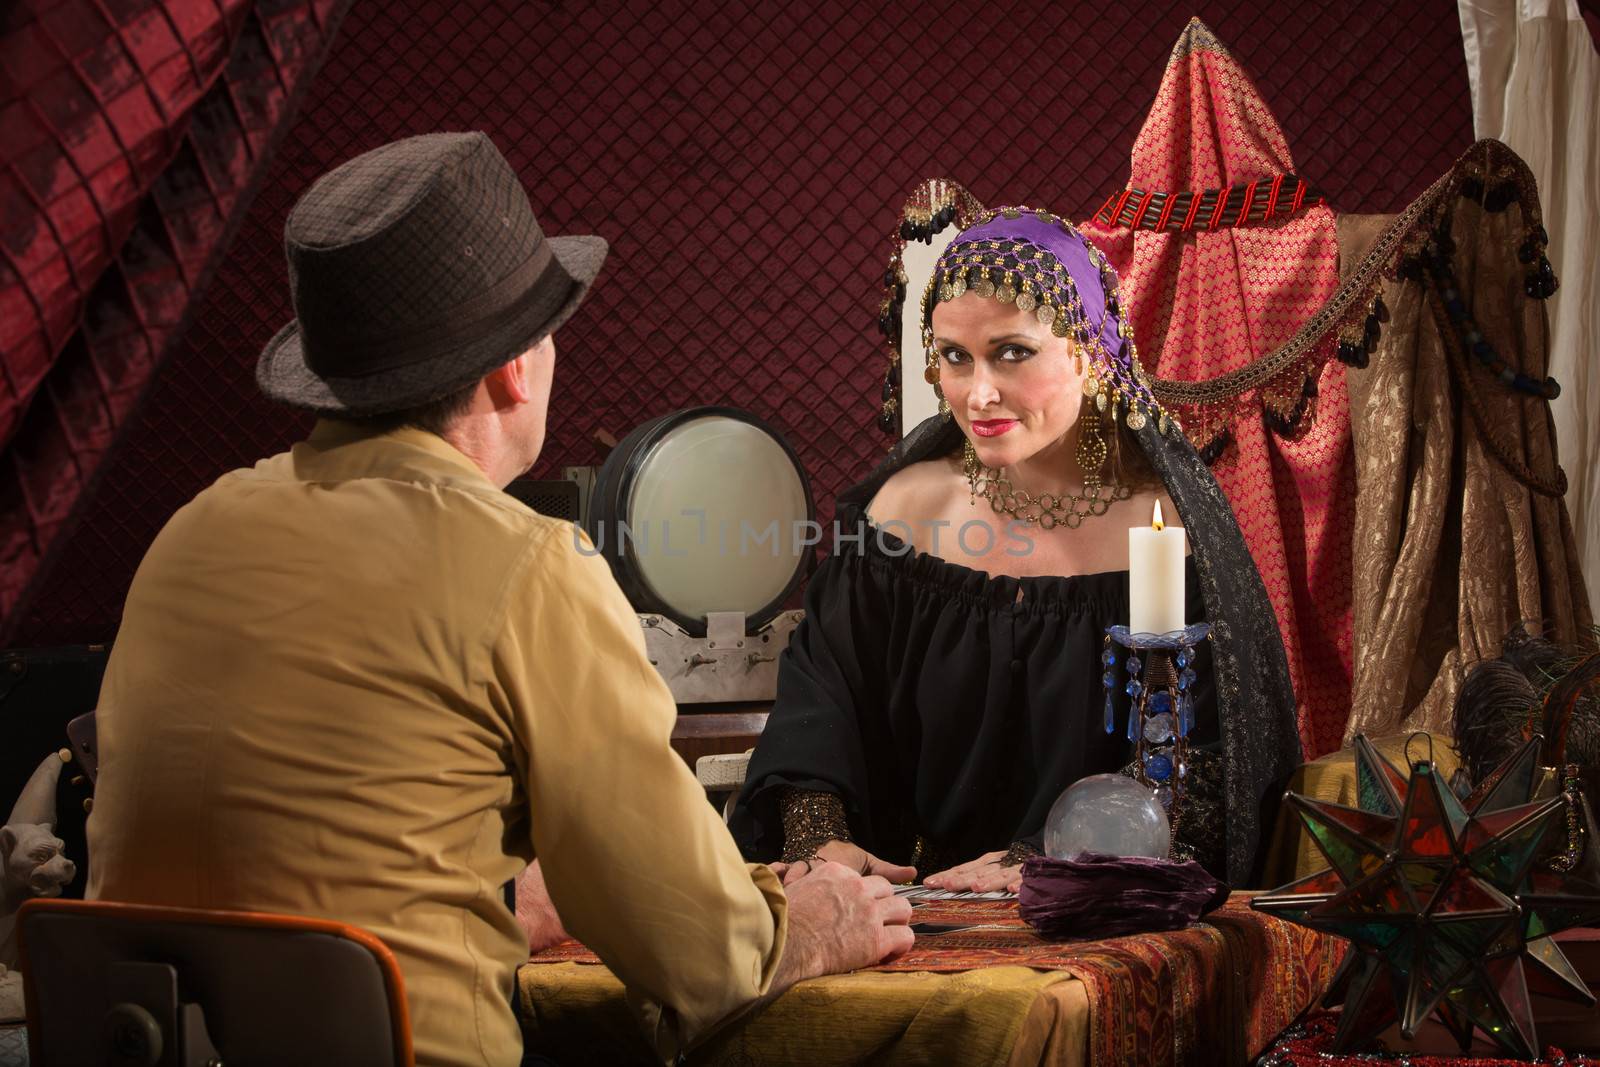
(1048, 510)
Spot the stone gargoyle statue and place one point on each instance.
(32, 864)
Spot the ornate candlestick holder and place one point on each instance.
(1160, 687)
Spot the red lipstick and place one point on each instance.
(993, 427)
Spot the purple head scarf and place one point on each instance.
(1041, 263)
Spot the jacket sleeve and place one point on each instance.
(638, 864)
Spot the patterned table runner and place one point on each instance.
(1218, 991)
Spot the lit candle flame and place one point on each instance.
(1155, 518)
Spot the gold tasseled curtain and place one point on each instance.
(1460, 528)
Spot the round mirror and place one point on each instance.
(703, 510)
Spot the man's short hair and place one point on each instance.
(435, 416)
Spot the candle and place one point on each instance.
(1155, 577)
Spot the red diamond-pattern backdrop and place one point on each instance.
(747, 162)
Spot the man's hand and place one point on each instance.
(839, 921)
(854, 857)
(982, 875)
(536, 913)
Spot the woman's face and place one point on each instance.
(1013, 386)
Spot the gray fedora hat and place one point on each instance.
(416, 269)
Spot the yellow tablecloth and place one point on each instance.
(994, 1015)
(1214, 993)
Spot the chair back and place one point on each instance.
(85, 747)
(133, 984)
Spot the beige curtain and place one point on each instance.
(1536, 86)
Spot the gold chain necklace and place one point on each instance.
(1049, 510)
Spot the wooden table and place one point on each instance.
(1215, 993)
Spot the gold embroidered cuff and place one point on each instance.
(810, 820)
(1019, 851)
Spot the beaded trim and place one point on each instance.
(1572, 790)
(811, 819)
(1349, 325)
(1018, 271)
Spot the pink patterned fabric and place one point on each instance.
(1209, 301)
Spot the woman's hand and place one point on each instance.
(982, 875)
(854, 857)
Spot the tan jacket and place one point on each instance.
(358, 681)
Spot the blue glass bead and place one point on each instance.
(1186, 679)
(1135, 665)
(1160, 702)
(1183, 770)
(1109, 658)
(1110, 718)
(1158, 768)
(1185, 716)
(1158, 729)
(1185, 657)
(1108, 679)
(1133, 725)
(1133, 688)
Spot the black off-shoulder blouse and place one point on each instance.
(938, 705)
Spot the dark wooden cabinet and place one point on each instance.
(710, 729)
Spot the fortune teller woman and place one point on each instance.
(945, 684)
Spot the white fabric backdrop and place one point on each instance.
(1536, 86)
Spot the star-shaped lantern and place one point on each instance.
(1442, 905)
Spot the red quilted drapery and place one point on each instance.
(95, 108)
(132, 134)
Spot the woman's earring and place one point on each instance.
(971, 466)
(1091, 447)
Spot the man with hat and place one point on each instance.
(359, 681)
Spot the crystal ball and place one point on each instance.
(1107, 813)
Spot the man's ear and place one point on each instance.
(8, 842)
(508, 383)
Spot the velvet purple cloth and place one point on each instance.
(1096, 896)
